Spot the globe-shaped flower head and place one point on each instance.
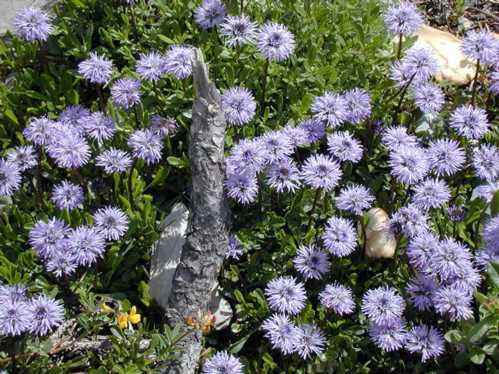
(32, 24)
(286, 295)
(150, 66)
(383, 305)
(97, 69)
(482, 46)
(337, 298)
(209, 14)
(125, 92)
(114, 161)
(10, 178)
(470, 122)
(146, 145)
(403, 18)
(426, 340)
(321, 171)
(311, 262)
(23, 156)
(223, 362)
(339, 236)
(46, 314)
(275, 42)
(330, 108)
(112, 222)
(238, 105)
(238, 30)
(67, 195)
(178, 61)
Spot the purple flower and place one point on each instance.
(491, 230)
(275, 146)
(453, 302)
(486, 162)
(389, 337)
(46, 313)
(62, 263)
(234, 248)
(314, 128)
(409, 165)
(163, 126)
(321, 171)
(238, 30)
(146, 145)
(98, 126)
(114, 161)
(275, 42)
(298, 136)
(10, 178)
(67, 195)
(420, 251)
(14, 318)
(487, 255)
(338, 298)
(428, 97)
(330, 108)
(395, 138)
(125, 92)
(72, 117)
(209, 14)
(431, 193)
(97, 69)
(178, 61)
(357, 104)
(311, 262)
(481, 45)
(69, 150)
(355, 199)
(383, 305)
(411, 220)
(494, 82)
(238, 105)
(421, 63)
(14, 293)
(426, 340)
(247, 155)
(445, 157)
(44, 237)
(343, 146)
(23, 156)
(33, 24)
(339, 236)
(420, 290)
(242, 187)
(455, 213)
(87, 244)
(40, 130)
(403, 18)
(150, 66)
(310, 341)
(470, 122)
(487, 191)
(286, 295)
(112, 222)
(450, 259)
(402, 73)
(281, 332)
(283, 176)
(223, 362)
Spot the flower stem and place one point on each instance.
(101, 99)
(265, 72)
(475, 81)
(136, 111)
(314, 206)
(402, 95)
(241, 6)
(399, 48)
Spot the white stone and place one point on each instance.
(380, 241)
(166, 253)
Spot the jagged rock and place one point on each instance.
(165, 258)
(380, 241)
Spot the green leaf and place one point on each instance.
(145, 296)
(10, 115)
(494, 274)
(480, 329)
(238, 345)
(177, 162)
(494, 205)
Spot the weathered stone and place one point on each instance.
(380, 241)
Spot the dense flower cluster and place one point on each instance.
(20, 314)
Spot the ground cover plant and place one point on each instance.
(331, 111)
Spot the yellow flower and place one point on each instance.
(133, 316)
(122, 320)
(106, 308)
